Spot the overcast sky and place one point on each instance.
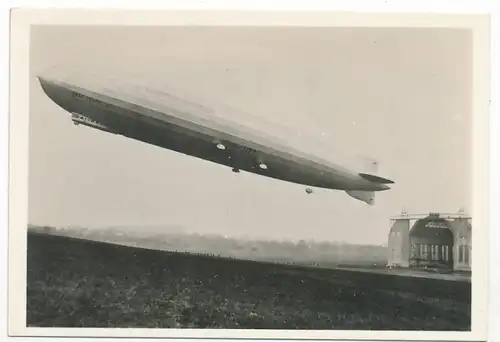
(402, 96)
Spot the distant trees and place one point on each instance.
(41, 229)
(285, 252)
(48, 229)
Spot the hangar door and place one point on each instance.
(431, 241)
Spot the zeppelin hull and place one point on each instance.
(190, 138)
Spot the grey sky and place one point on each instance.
(402, 96)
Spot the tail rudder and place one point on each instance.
(369, 172)
(364, 196)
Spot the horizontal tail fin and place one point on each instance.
(364, 196)
(376, 179)
(370, 169)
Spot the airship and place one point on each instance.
(169, 121)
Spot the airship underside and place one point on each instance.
(169, 125)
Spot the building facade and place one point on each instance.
(440, 241)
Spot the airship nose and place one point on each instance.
(42, 80)
(54, 90)
(47, 80)
(47, 85)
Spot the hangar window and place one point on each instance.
(434, 252)
(463, 254)
(424, 252)
(414, 251)
(444, 252)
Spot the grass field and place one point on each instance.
(78, 283)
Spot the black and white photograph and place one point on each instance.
(261, 178)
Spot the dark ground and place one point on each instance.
(78, 283)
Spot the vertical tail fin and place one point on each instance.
(364, 196)
(369, 171)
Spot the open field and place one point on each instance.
(413, 272)
(78, 283)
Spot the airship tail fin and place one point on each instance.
(376, 179)
(369, 171)
(364, 196)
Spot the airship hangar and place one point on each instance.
(434, 240)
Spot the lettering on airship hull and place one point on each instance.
(90, 100)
